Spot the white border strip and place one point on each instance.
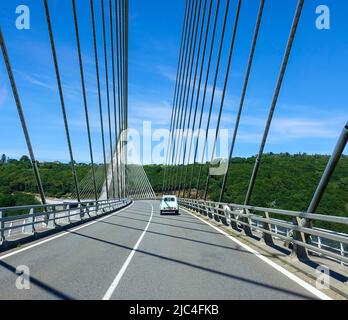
(285, 272)
(61, 234)
(119, 276)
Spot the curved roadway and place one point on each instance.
(137, 254)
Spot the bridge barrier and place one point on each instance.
(251, 219)
(40, 218)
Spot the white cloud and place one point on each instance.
(80, 124)
(38, 82)
(287, 129)
(296, 128)
(158, 113)
(167, 72)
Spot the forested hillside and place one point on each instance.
(285, 181)
(17, 183)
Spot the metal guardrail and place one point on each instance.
(248, 218)
(337, 247)
(51, 216)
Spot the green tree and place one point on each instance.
(3, 159)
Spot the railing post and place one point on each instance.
(319, 242)
(2, 226)
(101, 208)
(229, 210)
(209, 213)
(202, 208)
(298, 250)
(69, 213)
(88, 212)
(51, 223)
(30, 229)
(224, 220)
(342, 252)
(192, 205)
(83, 212)
(198, 206)
(97, 209)
(247, 228)
(267, 238)
(216, 212)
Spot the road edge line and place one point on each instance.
(64, 233)
(274, 265)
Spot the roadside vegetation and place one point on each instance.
(17, 183)
(285, 181)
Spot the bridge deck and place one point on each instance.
(179, 257)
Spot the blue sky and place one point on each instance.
(311, 111)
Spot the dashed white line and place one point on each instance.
(119, 276)
(61, 235)
(285, 272)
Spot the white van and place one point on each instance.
(169, 205)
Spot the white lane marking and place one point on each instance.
(285, 272)
(61, 235)
(119, 276)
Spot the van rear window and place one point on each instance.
(169, 199)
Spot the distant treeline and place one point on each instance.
(285, 181)
(17, 183)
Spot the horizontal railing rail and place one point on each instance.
(41, 217)
(319, 241)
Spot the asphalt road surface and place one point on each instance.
(137, 254)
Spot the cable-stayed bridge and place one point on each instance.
(108, 240)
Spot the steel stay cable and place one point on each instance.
(275, 99)
(176, 97)
(185, 96)
(115, 154)
(179, 94)
(205, 93)
(84, 96)
(108, 96)
(142, 183)
(175, 91)
(123, 50)
(88, 187)
(146, 181)
(182, 98)
(62, 101)
(22, 119)
(126, 66)
(99, 94)
(186, 101)
(179, 106)
(241, 105)
(138, 183)
(198, 93)
(120, 93)
(192, 97)
(235, 27)
(213, 93)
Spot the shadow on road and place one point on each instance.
(52, 291)
(177, 237)
(170, 225)
(198, 267)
